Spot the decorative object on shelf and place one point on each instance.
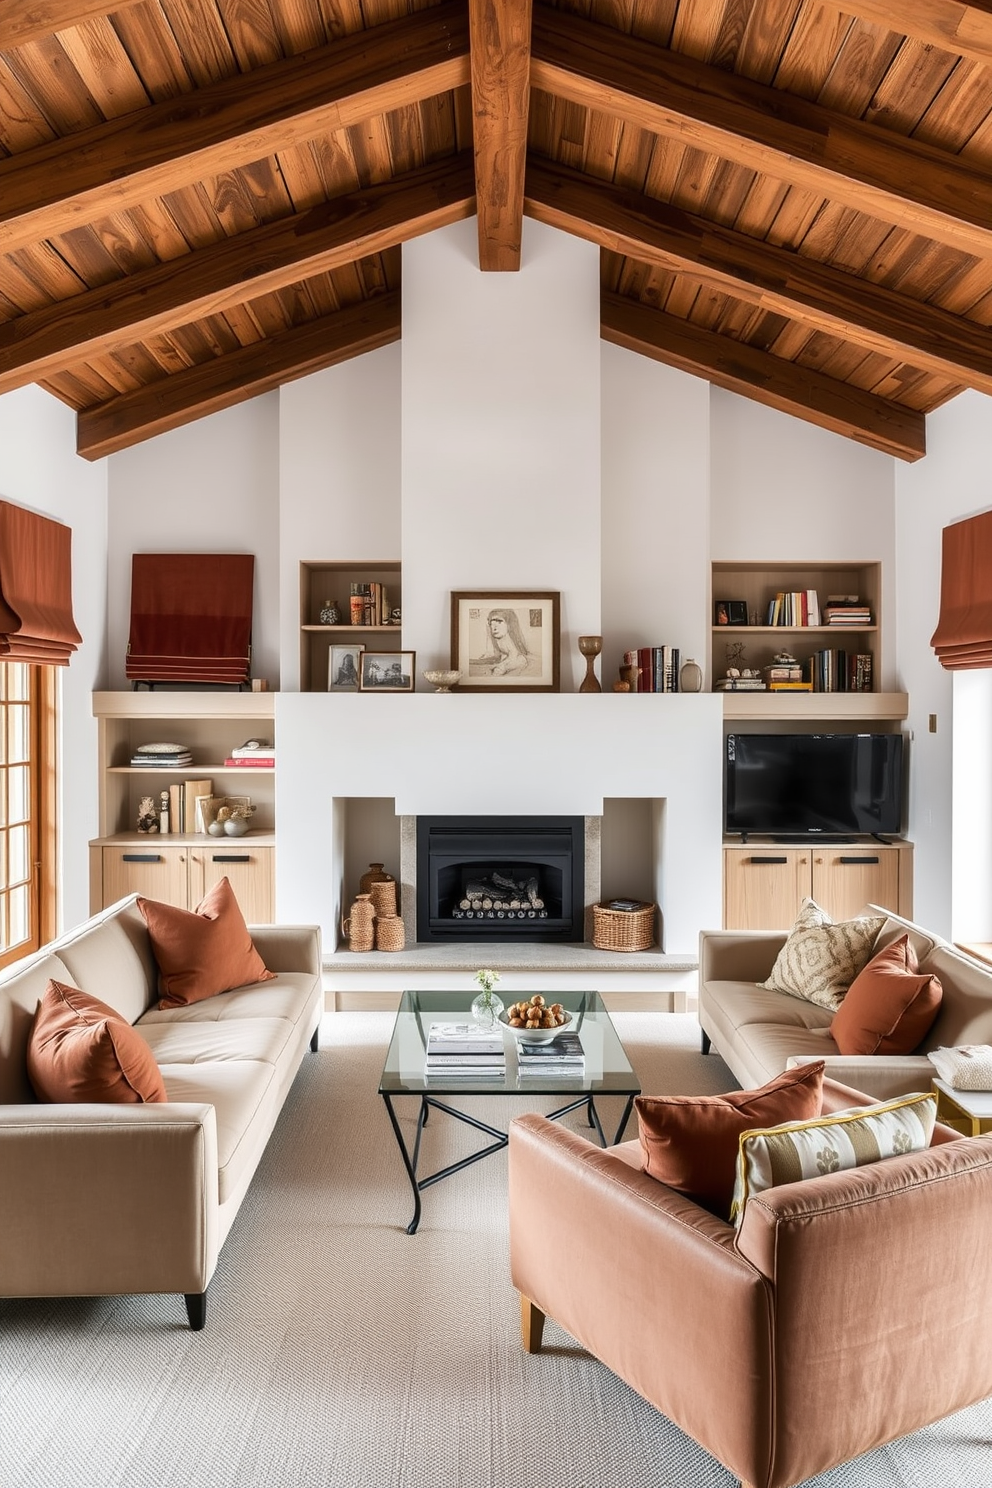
(623, 925)
(387, 671)
(691, 676)
(730, 612)
(390, 933)
(395, 615)
(163, 813)
(629, 674)
(344, 664)
(239, 821)
(442, 680)
(590, 647)
(506, 640)
(374, 873)
(621, 687)
(359, 925)
(329, 613)
(147, 815)
(486, 1007)
(383, 895)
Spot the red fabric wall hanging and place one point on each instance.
(191, 617)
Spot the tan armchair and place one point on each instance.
(849, 1309)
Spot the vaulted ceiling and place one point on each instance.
(203, 199)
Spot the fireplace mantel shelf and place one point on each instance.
(428, 957)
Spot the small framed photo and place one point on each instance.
(387, 671)
(344, 668)
(506, 640)
(730, 612)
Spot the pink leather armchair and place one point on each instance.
(848, 1310)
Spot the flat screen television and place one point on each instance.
(809, 785)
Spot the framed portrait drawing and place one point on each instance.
(344, 666)
(387, 671)
(506, 640)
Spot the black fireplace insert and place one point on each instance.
(519, 878)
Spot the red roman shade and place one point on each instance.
(191, 617)
(36, 622)
(963, 638)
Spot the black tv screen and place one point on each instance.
(802, 785)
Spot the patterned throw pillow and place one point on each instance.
(847, 1139)
(820, 960)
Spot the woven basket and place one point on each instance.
(383, 896)
(623, 929)
(390, 933)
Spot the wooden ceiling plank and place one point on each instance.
(253, 264)
(773, 278)
(755, 374)
(237, 376)
(499, 32)
(26, 20)
(956, 26)
(230, 123)
(901, 180)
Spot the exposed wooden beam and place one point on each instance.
(761, 274)
(71, 181)
(26, 20)
(963, 27)
(767, 379)
(499, 31)
(35, 345)
(237, 376)
(873, 170)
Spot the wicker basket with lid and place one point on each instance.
(624, 929)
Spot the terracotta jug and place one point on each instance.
(373, 875)
(359, 926)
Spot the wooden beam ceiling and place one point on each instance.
(961, 27)
(898, 179)
(753, 373)
(500, 47)
(83, 176)
(237, 376)
(26, 20)
(171, 294)
(761, 274)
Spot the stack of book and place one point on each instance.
(369, 604)
(840, 671)
(255, 754)
(462, 1050)
(796, 608)
(660, 667)
(846, 609)
(183, 802)
(739, 684)
(161, 756)
(562, 1057)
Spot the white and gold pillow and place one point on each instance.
(775, 1155)
(820, 960)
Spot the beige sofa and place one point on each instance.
(757, 1032)
(117, 1199)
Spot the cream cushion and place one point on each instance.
(966, 1068)
(819, 959)
(847, 1139)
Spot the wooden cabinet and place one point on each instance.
(764, 883)
(754, 586)
(177, 867)
(321, 582)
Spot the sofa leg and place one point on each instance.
(531, 1325)
(704, 1041)
(315, 1041)
(196, 1309)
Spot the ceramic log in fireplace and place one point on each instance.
(500, 878)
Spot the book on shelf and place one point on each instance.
(740, 684)
(369, 604)
(790, 687)
(833, 670)
(254, 749)
(784, 673)
(250, 762)
(794, 608)
(183, 796)
(659, 667)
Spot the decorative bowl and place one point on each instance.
(536, 1035)
(443, 681)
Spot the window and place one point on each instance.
(27, 808)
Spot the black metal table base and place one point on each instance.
(410, 1160)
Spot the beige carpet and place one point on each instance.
(340, 1351)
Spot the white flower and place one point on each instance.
(487, 978)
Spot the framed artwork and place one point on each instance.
(506, 640)
(344, 667)
(730, 612)
(387, 671)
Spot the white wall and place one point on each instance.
(500, 432)
(39, 468)
(212, 486)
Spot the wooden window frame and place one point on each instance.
(43, 841)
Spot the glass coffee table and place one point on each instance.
(607, 1072)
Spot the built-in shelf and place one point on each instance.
(813, 707)
(331, 579)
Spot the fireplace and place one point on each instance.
(500, 878)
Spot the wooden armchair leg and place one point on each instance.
(531, 1325)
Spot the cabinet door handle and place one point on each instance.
(230, 857)
(141, 857)
(859, 860)
(767, 860)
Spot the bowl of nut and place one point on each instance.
(535, 1021)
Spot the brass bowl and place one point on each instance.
(442, 680)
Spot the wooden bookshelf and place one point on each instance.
(332, 580)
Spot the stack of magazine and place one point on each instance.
(562, 1057)
(463, 1049)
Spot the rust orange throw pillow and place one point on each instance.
(79, 1049)
(889, 1007)
(690, 1141)
(203, 952)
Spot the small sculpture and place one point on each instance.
(147, 815)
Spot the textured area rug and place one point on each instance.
(340, 1351)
